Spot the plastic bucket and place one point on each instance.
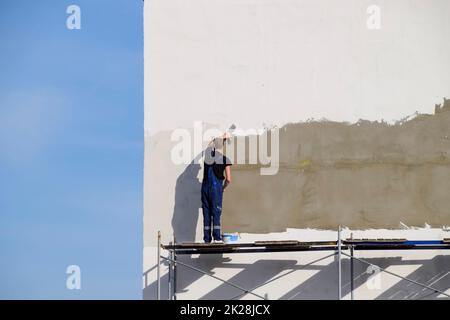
(230, 237)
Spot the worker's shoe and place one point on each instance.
(218, 241)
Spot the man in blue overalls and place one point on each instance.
(213, 184)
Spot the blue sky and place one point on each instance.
(71, 149)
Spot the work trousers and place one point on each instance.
(212, 188)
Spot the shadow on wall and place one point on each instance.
(187, 203)
(433, 272)
(186, 276)
(322, 285)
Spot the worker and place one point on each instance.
(216, 178)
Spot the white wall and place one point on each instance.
(256, 62)
(259, 61)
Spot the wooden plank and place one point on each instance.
(200, 244)
(379, 240)
(277, 243)
(192, 244)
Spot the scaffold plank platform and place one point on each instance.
(294, 245)
(337, 247)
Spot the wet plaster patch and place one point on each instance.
(362, 175)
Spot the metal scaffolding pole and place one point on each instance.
(174, 258)
(339, 265)
(352, 273)
(158, 271)
(169, 275)
(352, 284)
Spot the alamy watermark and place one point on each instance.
(260, 147)
(73, 281)
(73, 21)
(374, 280)
(374, 19)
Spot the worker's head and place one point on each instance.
(218, 143)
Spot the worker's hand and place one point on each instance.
(227, 182)
(226, 135)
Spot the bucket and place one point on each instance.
(230, 237)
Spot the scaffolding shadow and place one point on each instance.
(321, 285)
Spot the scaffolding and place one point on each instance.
(339, 247)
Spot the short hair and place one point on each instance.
(218, 143)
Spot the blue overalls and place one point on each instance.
(211, 205)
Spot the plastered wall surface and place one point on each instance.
(361, 175)
(291, 64)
